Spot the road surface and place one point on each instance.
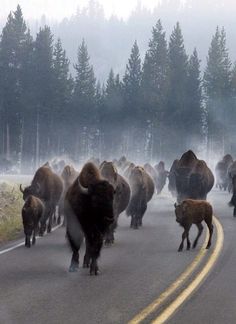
(36, 287)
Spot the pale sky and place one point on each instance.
(58, 9)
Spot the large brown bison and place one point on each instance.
(233, 199)
(221, 172)
(47, 186)
(142, 190)
(89, 213)
(32, 212)
(193, 178)
(121, 197)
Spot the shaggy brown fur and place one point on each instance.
(47, 186)
(142, 189)
(32, 212)
(121, 198)
(89, 212)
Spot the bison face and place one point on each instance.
(102, 196)
(178, 213)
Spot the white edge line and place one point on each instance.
(22, 243)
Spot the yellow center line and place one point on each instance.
(165, 315)
(172, 288)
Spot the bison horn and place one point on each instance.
(82, 189)
(21, 188)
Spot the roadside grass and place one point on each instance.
(11, 203)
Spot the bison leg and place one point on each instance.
(234, 211)
(184, 236)
(34, 236)
(49, 227)
(95, 249)
(27, 241)
(94, 267)
(87, 258)
(200, 229)
(74, 265)
(210, 227)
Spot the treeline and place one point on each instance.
(159, 108)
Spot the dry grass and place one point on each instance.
(10, 212)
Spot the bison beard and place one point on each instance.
(90, 214)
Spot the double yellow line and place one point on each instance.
(173, 306)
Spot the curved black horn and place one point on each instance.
(21, 188)
(82, 189)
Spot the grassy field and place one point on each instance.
(10, 212)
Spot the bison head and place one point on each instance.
(180, 211)
(30, 190)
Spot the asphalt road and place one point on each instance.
(36, 287)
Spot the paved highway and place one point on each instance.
(36, 287)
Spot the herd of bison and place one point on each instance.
(91, 200)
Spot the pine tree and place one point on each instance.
(193, 121)
(131, 84)
(44, 88)
(177, 109)
(154, 86)
(85, 87)
(62, 91)
(217, 87)
(13, 42)
(84, 101)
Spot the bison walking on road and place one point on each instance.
(194, 212)
(32, 213)
(142, 190)
(121, 197)
(89, 213)
(47, 186)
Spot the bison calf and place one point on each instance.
(194, 212)
(32, 211)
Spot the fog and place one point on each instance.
(44, 114)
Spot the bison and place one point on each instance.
(222, 171)
(89, 213)
(121, 197)
(194, 212)
(233, 199)
(32, 213)
(47, 186)
(193, 178)
(142, 190)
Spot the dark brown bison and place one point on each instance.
(231, 173)
(162, 175)
(171, 178)
(193, 178)
(47, 186)
(121, 197)
(233, 199)
(222, 172)
(194, 212)
(32, 212)
(89, 213)
(142, 189)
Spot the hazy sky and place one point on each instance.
(61, 8)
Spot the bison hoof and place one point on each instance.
(73, 268)
(180, 249)
(49, 230)
(95, 272)
(86, 265)
(34, 241)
